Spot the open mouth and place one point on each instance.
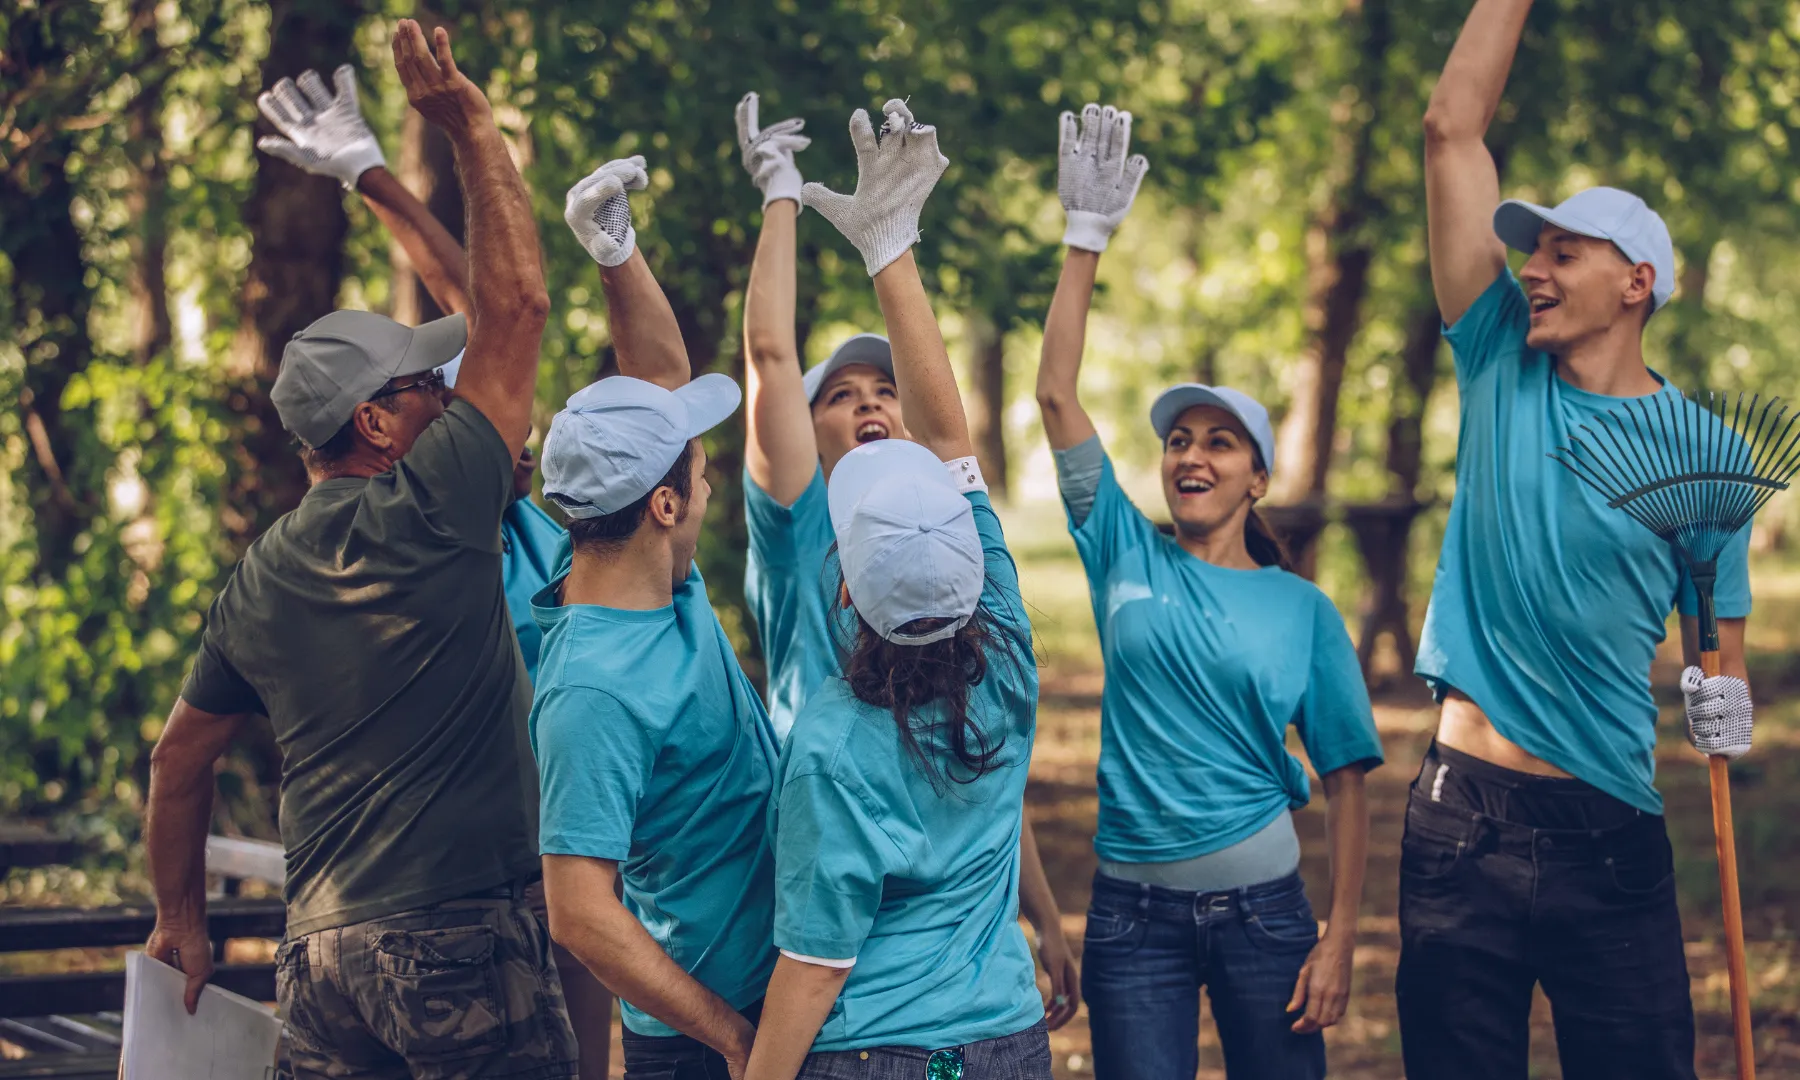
(1192, 485)
(871, 430)
(1541, 304)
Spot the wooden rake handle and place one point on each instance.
(1725, 844)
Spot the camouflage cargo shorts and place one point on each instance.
(459, 990)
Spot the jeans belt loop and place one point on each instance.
(1143, 903)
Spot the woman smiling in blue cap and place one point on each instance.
(1212, 649)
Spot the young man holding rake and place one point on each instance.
(1535, 850)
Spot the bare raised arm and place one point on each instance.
(436, 256)
(508, 303)
(1462, 186)
(1066, 423)
(780, 451)
(928, 396)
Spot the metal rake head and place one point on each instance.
(1693, 470)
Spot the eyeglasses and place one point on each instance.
(429, 381)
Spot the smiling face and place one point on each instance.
(1209, 472)
(857, 405)
(1580, 289)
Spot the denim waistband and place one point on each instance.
(1157, 902)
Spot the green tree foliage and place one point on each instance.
(139, 308)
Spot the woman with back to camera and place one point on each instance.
(1212, 648)
(899, 807)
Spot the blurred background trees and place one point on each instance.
(152, 264)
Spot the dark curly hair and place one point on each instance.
(947, 743)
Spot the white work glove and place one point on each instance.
(597, 211)
(326, 135)
(769, 152)
(895, 172)
(1094, 179)
(1718, 712)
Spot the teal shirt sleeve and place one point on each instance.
(595, 756)
(782, 537)
(831, 860)
(1113, 526)
(1496, 323)
(1336, 724)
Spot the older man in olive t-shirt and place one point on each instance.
(371, 627)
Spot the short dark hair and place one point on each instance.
(608, 531)
(324, 457)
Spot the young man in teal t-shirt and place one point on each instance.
(1535, 850)
(655, 756)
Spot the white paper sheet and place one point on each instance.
(229, 1037)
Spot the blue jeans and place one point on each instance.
(1149, 950)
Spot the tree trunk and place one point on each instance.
(1339, 251)
(987, 421)
(49, 307)
(297, 226)
(148, 203)
(1418, 369)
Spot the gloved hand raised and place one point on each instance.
(768, 152)
(322, 133)
(1094, 179)
(598, 213)
(1719, 715)
(895, 172)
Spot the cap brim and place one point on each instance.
(859, 471)
(433, 345)
(1174, 401)
(870, 349)
(1517, 223)
(709, 400)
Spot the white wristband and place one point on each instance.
(966, 472)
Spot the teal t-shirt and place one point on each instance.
(919, 885)
(529, 539)
(1548, 605)
(1206, 667)
(653, 751)
(790, 581)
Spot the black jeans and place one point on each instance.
(1509, 879)
(676, 1057)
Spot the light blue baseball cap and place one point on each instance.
(1177, 399)
(907, 542)
(616, 439)
(450, 369)
(1603, 213)
(870, 349)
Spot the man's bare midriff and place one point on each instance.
(1463, 726)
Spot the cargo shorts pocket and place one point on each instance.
(297, 996)
(441, 988)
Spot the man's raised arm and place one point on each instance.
(645, 336)
(1462, 186)
(508, 301)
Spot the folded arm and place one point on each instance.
(1462, 186)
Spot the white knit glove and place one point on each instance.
(598, 213)
(1094, 179)
(895, 172)
(769, 152)
(325, 135)
(1718, 712)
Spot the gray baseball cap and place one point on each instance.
(616, 439)
(1181, 397)
(870, 349)
(1603, 213)
(342, 359)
